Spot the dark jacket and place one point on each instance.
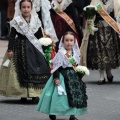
(3, 5)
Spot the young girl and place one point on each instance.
(28, 71)
(65, 92)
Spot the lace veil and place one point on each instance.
(34, 24)
(46, 18)
(60, 59)
(44, 6)
(109, 7)
(117, 11)
(64, 4)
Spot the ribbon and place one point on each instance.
(28, 33)
(68, 20)
(107, 18)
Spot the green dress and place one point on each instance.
(54, 104)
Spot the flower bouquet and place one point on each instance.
(82, 70)
(47, 49)
(90, 12)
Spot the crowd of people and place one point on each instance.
(80, 34)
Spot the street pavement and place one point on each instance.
(103, 100)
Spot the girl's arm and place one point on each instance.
(56, 77)
(11, 42)
(11, 39)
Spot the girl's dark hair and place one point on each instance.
(25, 1)
(68, 33)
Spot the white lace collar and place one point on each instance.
(64, 4)
(61, 61)
(34, 24)
(108, 6)
(37, 4)
(76, 56)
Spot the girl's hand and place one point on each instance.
(57, 82)
(10, 54)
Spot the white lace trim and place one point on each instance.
(37, 4)
(34, 25)
(46, 18)
(75, 47)
(18, 11)
(64, 4)
(35, 22)
(117, 8)
(118, 19)
(109, 6)
(60, 60)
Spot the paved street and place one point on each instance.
(103, 102)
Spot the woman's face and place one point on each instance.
(69, 41)
(26, 8)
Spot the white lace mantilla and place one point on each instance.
(45, 6)
(108, 6)
(34, 24)
(117, 10)
(61, 61)
(64, 4)
(37, 4)
(46, 18)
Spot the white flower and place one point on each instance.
(45, 41)
(82, 69)
(90, 6)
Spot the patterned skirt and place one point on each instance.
(74, 103)
(9, 85)
(103, 48)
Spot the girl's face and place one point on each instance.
(26, 8)
(69, 41)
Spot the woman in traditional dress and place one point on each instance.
(103, 48)
(28, 71)
(65, 18)
(65, 92)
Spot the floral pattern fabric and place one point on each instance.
(103, 48)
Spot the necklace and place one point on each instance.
(27, 20)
